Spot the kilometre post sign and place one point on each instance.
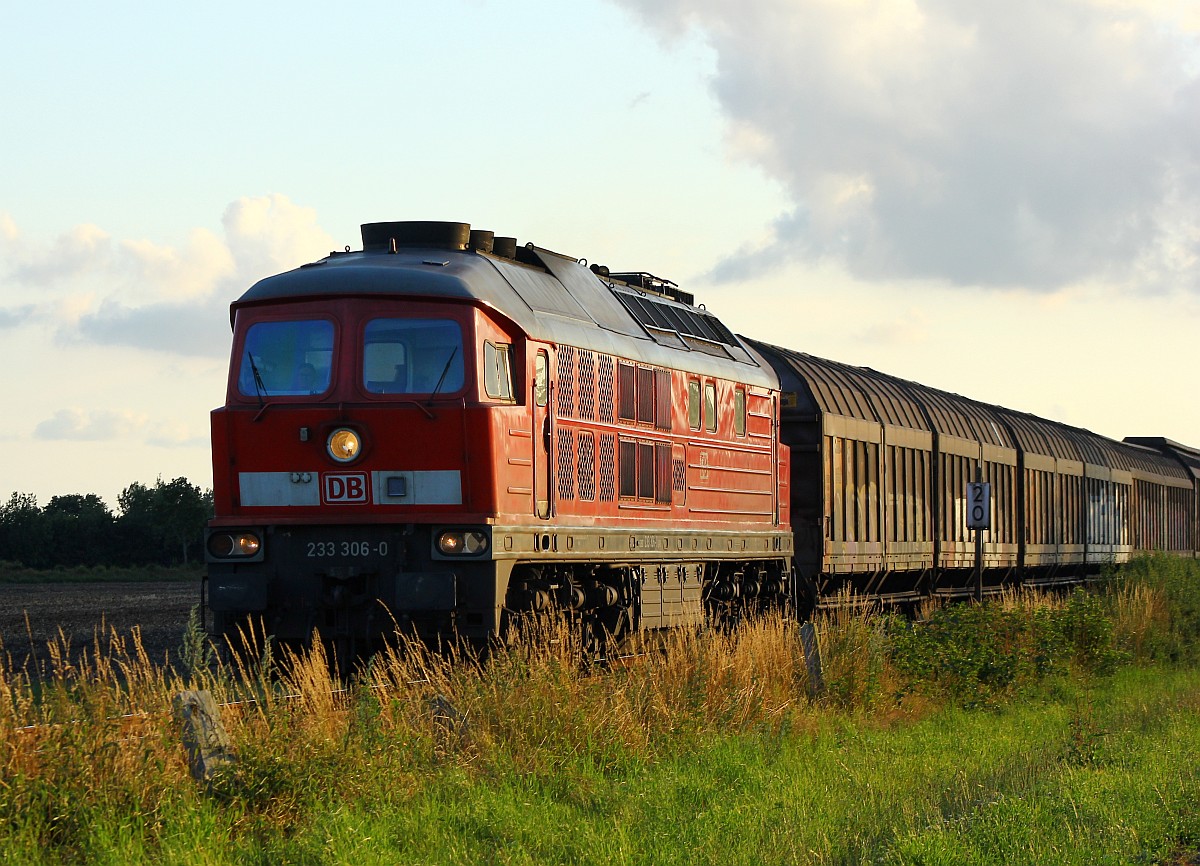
(979, 505)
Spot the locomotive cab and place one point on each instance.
(352, 473)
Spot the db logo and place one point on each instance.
(344, 487)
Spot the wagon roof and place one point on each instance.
(860, 392)
(1188, 457)
(866, 394)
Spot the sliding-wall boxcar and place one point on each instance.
(1186, 512)
(1164, 496)
(879, 474)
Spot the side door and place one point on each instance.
(543, 462)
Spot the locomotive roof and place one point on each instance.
(550, 296)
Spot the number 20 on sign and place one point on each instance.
(979, 505)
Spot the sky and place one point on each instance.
(998, 198)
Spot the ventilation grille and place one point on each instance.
(662, 396)
(586, 466)
(666, 316)
(608, 482)
(627, 392)
(604, 407)
(662, 472)
(586, 386)
(566, 382)
(566, 464)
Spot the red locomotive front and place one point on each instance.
(438, 433)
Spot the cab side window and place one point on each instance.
(541, 383)
(497, 371)
(710, 407)
(694, 403)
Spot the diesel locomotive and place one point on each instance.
(446, 430)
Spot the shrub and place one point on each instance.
(978, 655)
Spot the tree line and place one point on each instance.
(158, 525)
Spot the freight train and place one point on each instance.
(446, 431)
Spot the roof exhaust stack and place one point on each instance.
(378, 237)
(481, 241)
(505, 247)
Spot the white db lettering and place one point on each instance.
(345, 487)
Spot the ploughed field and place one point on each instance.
(33, 614)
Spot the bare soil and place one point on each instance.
(32, 616)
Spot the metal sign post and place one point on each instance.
(979, 518)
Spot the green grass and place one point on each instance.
(958, 787)
(1033, 730)
(1108, 774)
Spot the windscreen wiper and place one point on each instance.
(259, 388)
(445, 370)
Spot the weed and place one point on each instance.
(1086, 738)
(198, 656)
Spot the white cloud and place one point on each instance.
(269, 234)
(95, 425)
(172, 434)
(83, 250)
(1179, 13)
(1003, 142)
(133, 292)
(154, 272)
(13, 317)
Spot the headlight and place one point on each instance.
(234, 545)
(344, 445)
(459, 542)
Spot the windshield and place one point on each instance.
(286, 358)
(412, 356)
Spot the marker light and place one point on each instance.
(344, 445)
(233, 545)
(458, 542)
(247, 545)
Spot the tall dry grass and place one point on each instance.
(854, 641)
(1156, 607)
(1141, 615)
(535, 704)
(93, 735)
(86, 735)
